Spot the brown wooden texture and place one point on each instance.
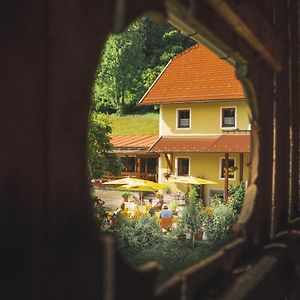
(190, 282)
(49, 240)
(48, 55)
(295, 108)
(241, 167)
(256, 213)
(264, 280)
(247, 20)
(169, 162)
(226, 177)
(282, 123)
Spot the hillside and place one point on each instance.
(146, 124)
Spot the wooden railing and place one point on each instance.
(142, 175)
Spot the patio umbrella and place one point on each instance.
(190, 180)
(141, 188)
(131, 188)
(129, 182)
(123, 181)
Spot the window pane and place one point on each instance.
(228, 117)
(183, 119)
(130, 164)
(123, 163)
(151, 165)
(143, 165)
(183, 167)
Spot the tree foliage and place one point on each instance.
(130, 63)
(193, 214)
(100, 157)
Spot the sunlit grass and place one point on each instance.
(146, 124)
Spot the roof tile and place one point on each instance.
(133, 141)
(233, 143)
(197, 74)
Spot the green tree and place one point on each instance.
(100, 157)
(131, 61)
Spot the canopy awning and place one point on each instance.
(230, 143)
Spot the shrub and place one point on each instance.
(218, 226)
(193, 214)
(237, 194)
(136, 234)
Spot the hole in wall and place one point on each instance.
(174, 114)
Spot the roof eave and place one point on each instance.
(154, 82)
(197, 101)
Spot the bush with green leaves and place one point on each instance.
(237, 194)
(193, 214)
(101, 159)
(136, 234)
(218, 227)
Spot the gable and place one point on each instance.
(195, 75)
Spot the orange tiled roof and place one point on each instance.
(133, 141)
(195, 75)
(231, 143)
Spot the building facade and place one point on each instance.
(204, 128)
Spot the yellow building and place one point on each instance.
(204, 122)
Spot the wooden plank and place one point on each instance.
(256, 214)
(226, 177)
(191, 281)
(241, 166)
(282, 124)
(169, 162)
(201, 24)
(247, 20)
(264, 276)
(295, 109)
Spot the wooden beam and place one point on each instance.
(138, 162)
(282, 115)
(248, 21)
(226, 178)
(169, 161)
(294, 102)
(241, 166)
(201, 23)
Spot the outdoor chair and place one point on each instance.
(166, 223)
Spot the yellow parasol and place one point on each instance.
(132, 188)
(141, 186)
(135, 184)
(190, 180)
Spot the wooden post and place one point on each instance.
(138, 166)
(226, 178)
(156, 169)
(169, 162)
(241, 166)
(126, 163)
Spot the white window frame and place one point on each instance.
(220, 167)
(187, 128)
(176, 165)
(221, 117)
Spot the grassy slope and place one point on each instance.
(146, 124)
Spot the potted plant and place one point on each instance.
(125, 196)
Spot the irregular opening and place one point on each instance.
(178, 117)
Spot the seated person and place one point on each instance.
(166, 213)
(166, 218)
(157, 207)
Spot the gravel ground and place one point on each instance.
(112, 198)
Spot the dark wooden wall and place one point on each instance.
(50, 248)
